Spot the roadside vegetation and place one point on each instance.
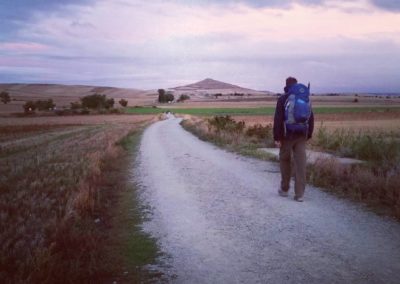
(233, 135)
(68, 209)
(374, 182)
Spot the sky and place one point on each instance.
(338, 46)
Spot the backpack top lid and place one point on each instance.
(300, 90)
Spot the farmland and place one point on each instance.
(56, 188)
(65, 178)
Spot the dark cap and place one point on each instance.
(290, 81)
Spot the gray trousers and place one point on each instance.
(298, 148)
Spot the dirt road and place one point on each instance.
(219, 219)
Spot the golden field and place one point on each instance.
(52, 188)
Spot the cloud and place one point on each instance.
(336, 44)
(391, 5)
(22, 46)
(16, 13)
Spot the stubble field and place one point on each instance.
(54, 195)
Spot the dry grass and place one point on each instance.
(374, 183)
(371, 185)
(50, 195)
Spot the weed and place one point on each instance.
(259, 131)
(380, 148)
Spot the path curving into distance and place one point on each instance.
(219, 219)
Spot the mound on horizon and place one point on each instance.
(211, 84)
(208, 89)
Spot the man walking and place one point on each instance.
(293, 126)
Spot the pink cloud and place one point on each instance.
(23, 46)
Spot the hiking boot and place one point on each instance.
(298, 199)
(283, 193)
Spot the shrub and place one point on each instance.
(29, 107)
(183, 98)
(355, 100)
(109, 103)
(363, 183)
(225, 130)
(45, 105)
(5, 97)
(123, 103)
(226, 123)
(115, 110)
(96, 101)
(380, 149)
(76, 105)
(85, 111)
(260, 132)
(164, 97)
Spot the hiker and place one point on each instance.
(293, 126)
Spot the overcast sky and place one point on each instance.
(339, 46)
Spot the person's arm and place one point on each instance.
(278, 122)
(310, 126)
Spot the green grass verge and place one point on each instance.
(132, 246)
(254, 111)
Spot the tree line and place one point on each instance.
(95, 101)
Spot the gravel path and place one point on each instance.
(219, 219)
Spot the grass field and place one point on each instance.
(58, 192)
(258, 110)
(374, 182)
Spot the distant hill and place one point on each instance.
(207, 88)
(210, 84)
(58, 90)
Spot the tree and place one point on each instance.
(165, 97)
(29, 106)
(109, 103)
(161, 96)
(169, 97)
(76, 105)
(45, 105)
(94, 101)
(123, 102)
(183, 98)
(5, 97)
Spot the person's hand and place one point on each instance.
(278, 144)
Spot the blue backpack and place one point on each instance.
(297, 109)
